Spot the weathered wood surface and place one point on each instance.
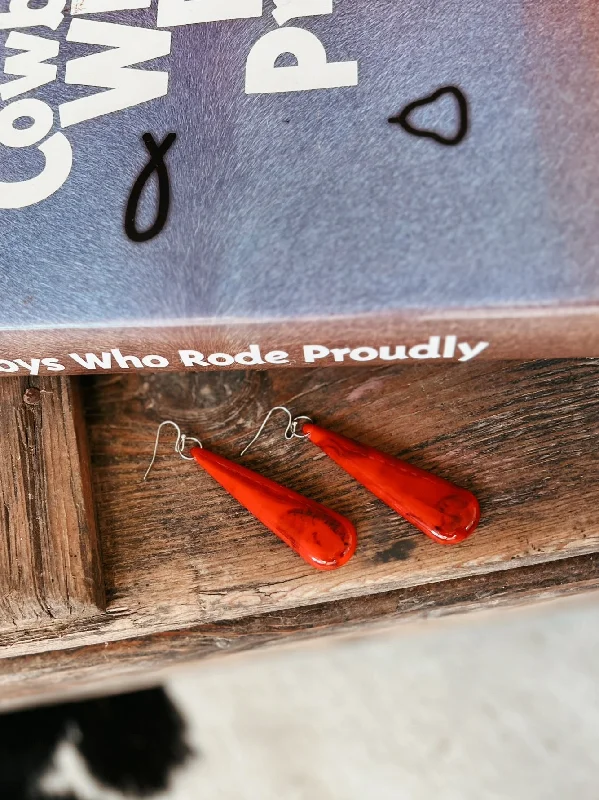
(145, 660)
(49, 551)
(190, 574)
(178, 551)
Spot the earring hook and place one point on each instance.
(290, 430)
(180, 444)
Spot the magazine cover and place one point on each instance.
(212, 184)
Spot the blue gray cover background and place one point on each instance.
(311, 204)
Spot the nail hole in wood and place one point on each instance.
(32, 396)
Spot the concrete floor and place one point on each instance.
(502, 706)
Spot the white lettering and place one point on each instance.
(29, 64)
(156, 362)
(128, 87)
(312, 71)
(53, 364)
(290, 9)
(91, 361)
(42, 120)
(471, 352)
(192, 358)
(123, 361)
(251, 358)
(450, 345)
(34, 367)
(400, 353)
(56, 151)
(364, 354)
(221, 359)
(428, 350)
(339, 353)
(101, 6)
(277, 357)
(20, 15)
(190, 12)
(314, 351)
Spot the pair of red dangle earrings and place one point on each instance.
(322, 537)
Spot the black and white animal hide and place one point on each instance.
(130, 743)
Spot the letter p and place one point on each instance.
(312, 71)
(314, 351)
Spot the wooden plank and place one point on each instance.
(190, 574)
(179, 551)
(523, 437)
(143, 661)
(49, 554)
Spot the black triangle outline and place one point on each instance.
(403, 118)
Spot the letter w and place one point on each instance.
(129, 87)
(29, 64)
(92, 361)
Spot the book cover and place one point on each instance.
(206, 184)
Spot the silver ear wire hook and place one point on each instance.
(180, 445)
(290, 430)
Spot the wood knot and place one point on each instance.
(32, 396)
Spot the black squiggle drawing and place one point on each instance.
(403, 118)
(155, 164)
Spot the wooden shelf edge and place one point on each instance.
(511, 332)
(142, 661)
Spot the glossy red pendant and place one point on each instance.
(323, 538)
(438, 508)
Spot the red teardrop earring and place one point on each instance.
(444, 512)
(323, 538)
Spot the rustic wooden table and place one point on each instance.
(107, 581)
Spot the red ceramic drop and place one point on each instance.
(323, 538)
(438, 508)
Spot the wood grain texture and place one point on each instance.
(146, 660)
(179, 551)
(565, 331)
(190, 574)
(49, 552)
(522, 437)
